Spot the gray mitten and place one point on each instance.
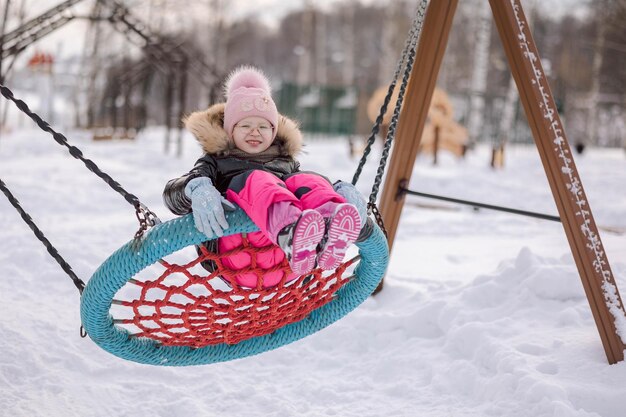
(206, 205)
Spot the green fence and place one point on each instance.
(319, 109)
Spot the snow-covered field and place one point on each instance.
(483, 313)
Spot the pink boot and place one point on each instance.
(343, 229)
(299, 241)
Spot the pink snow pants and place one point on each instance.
(272, 204)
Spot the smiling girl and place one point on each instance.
(250, 160)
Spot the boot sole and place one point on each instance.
(343, 231)
(307, 236)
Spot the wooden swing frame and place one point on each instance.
(575, 213)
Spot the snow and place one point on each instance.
(482, 314)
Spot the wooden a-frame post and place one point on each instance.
(576, 217)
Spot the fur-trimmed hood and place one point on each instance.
(208, 128)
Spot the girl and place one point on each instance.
(249, 158)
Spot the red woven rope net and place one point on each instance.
(195, 312)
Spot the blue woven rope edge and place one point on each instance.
(176, 234)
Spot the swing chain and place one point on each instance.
(147, 218)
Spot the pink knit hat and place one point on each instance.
(248, 93)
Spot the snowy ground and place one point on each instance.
(483, 313)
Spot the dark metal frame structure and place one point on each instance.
(172, 59)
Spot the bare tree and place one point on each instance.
(348, 44)
(480, 70)
(601, 9)
(304, 50)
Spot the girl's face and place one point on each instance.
(253, 134)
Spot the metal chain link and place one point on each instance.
(406, 60)
(146, 218)
(373, 209)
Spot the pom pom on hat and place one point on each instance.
(248, 93)
(248, 77)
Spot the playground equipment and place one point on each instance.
(554, 150)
